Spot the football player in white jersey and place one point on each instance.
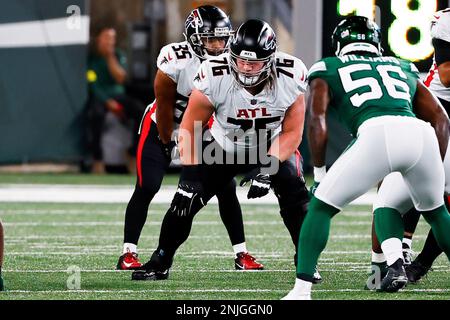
(394, 189)
(256, 95)
(207, 32)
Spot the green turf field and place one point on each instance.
(43, 241)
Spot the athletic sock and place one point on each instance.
(129, 247)
(410, 220)
(388, 224)
(392, 249)
(407, 243)
(313, 237)
(439, 219)
(241, 247)
(430, 251)
(378, 258)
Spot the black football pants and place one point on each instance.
(288, 185)
(152, 165)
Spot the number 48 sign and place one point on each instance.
(410, 16)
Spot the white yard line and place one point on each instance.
(113, 194)
(352, 265)
(151, 290)
(212, 254)
(154, 223)
(62, 240)
(113, 212)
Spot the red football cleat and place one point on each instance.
(245, 261)
(129, 261)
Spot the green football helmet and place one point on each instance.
(357, 34)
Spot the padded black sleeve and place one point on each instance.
(441, 51)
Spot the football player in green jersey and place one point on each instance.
(374, 97)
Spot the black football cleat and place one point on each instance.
(150, 275)
(407, 254)
(317, 278)
(416, 271)
(157, 268)
(395, 278)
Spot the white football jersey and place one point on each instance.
(440, 29)
(243, 121)
(179, 63)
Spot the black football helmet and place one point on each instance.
(357, 34)
(254, 41)
(203, 24)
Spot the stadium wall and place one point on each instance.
(43, 45)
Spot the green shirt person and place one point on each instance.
(106, 73)
(106, 76)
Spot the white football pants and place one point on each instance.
(384, 145)
(393, 192)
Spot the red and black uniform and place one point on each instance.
(176, 61)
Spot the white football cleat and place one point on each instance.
(295, 295)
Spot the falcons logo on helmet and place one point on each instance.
(270, 43)
(194, 20)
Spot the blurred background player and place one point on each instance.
(207, 32)
(255, 89)
(374, 97)
(2, 244)
(438, 81)
(107, 76)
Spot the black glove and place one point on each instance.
(167, 148)
(190, 189)
(261, 179)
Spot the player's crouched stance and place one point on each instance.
(374, 97)
(256, 95)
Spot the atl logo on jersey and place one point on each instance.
(252, 113)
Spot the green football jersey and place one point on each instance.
(364, 87)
